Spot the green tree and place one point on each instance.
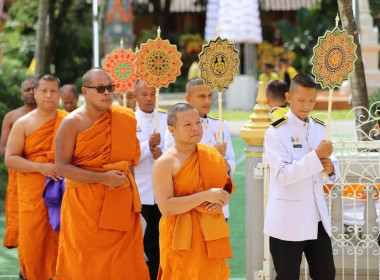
(357, 78)
(73, 52)
(302, 37)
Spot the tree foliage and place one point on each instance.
(302, 37)
(72, 51)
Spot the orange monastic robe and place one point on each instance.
(195, 245)
(101, 234)
(38, 242)
(11, 211)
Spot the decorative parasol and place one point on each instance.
(333, 61)
(158, 64)
(219, 64)
(121, 66)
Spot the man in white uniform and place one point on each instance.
(200, 97)
(151, 145)
(297, 219)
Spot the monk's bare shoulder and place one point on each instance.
(77, 121)
(27, 122)
(12, 116)
(167, 160)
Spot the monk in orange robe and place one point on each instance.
(96, 147)
(11, 200)
(191, 186)
(30, 151)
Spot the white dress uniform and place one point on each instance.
(296, 199)
(143, 172)
(210, 135)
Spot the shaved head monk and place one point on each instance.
(30, 151)
(96, 149)
(200, 97)
(11, 200)
(191, 186)
(69, 97)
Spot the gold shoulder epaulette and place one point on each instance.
(163, 110)
(279, 122)
(319, 121)
(214, 118)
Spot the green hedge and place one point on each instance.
(11, 77)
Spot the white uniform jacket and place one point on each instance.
(143, 172)
(210, 135)
(296, 200)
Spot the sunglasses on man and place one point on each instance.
(101, 89)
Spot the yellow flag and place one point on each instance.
(32, 67)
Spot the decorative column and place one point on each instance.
(118, 25)
(370, 47)
(253, 134)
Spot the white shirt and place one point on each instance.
(296, 200)
(143, 172)
(210, 135)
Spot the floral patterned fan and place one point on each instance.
(333, 61)
(121, 66)
(219, 64)
(158, 64)
(334, 58)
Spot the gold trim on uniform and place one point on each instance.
(163, 110)
(319, 121)
(279, 122)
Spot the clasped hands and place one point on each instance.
(323, 151)
(216, 198)
(154, 141)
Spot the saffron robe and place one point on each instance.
(11, 211)
(38, 242)
(101, 234)
(195, 244)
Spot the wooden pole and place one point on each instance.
(220, 105)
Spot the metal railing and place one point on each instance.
(353, 203)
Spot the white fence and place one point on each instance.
(353, 203)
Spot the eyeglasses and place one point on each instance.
(101, 89)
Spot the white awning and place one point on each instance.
(239, 21)
(181, 6)
(177, 6)
(286, 5)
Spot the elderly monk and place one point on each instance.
(101, 234)
(30, 151)
(11, 200)
(191, 186)
(69, 97)
(130, 100)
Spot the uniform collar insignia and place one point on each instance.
(204, 120)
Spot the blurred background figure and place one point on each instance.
(286, 71)
(131, 100)
(194, 70)
(267, 73)
(69, 97)
(275, 93)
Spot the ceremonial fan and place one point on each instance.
(158, 65)
(121, 66)
(219, 63)
(333, 60)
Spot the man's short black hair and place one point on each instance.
(49, 78)
(276, 90)
(193, 82)
(172, 113)
(303, 80)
